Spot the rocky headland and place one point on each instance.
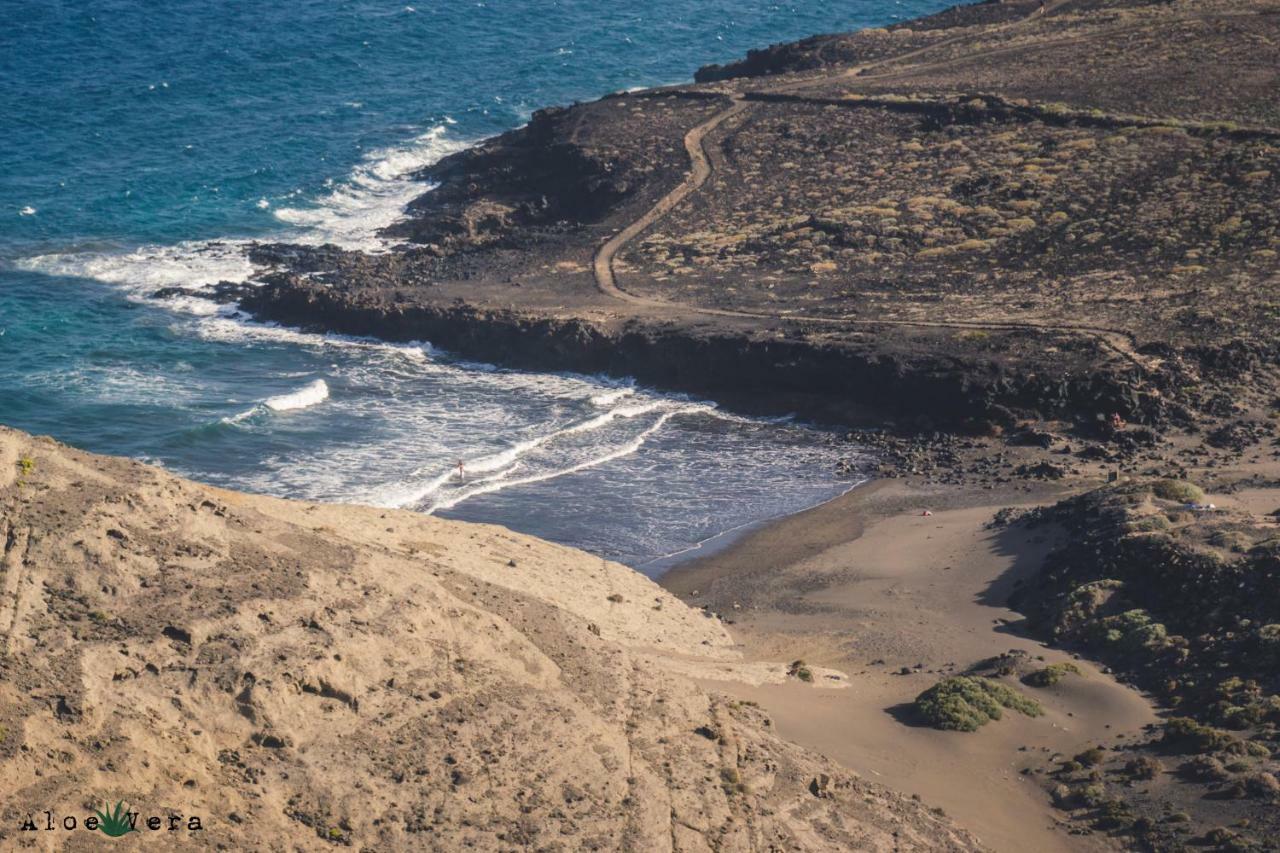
(999, 212)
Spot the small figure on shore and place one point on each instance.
(925, 512)
(1117, 422)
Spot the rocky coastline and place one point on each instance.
(755, 372)
(976, 257)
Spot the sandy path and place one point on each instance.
(700, 171)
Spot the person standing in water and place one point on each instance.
(461, 472)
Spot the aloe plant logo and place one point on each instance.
(114, 823)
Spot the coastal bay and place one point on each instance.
(869, 443)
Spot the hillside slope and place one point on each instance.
(299, 676)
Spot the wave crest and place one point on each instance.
(311, 394)
(374, 195)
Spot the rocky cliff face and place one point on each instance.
(827, 378)
(297, 676)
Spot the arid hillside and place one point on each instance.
(302, 677)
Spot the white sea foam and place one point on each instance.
(190, 265)
(504, 481)
(610, 397)
(237, 330)
(311, 394)
(352, 213)
(373, 196)
(306, 396)
(504, 461)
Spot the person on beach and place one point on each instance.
(462, 475)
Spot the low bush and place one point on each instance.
(1262, 785)
(1050, 675)
(1206, 768)
(1185, 735)
(799, 669)
(1178, 490)
(1148, 524)
(1091, 757)
(965, 703)
(1092, 795)
(1114, 814)
(1143, 767)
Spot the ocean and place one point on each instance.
(145, 144)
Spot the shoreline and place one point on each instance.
(764, 535)
(726, 540)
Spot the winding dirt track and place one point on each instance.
(698, 175)
(1118, 342)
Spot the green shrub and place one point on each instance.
(1114, 814)
(799, 669)
(1050, 675)
(1143, 767)
(1148, 524)
(1263, 786)
(1178, 490)
(1206, 768)
(1268, 640)
(1241, 717)
(1091, 757)
(1133, 631)
(965, 703)
(1231, 540)
(1224, 839)
(1257, 750)
(1092, 795)
(1185, 735)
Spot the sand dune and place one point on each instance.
(868, 585)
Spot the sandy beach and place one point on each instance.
(869, 586)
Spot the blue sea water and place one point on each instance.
(144, 143)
